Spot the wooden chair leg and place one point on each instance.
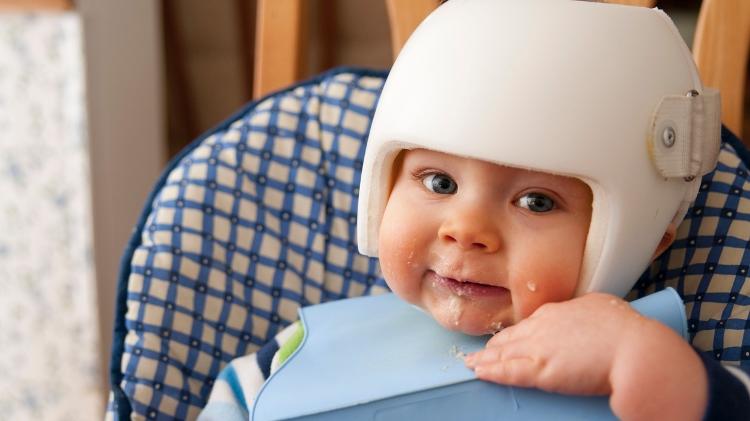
(720, 49)
(279, 49)
(404, 16)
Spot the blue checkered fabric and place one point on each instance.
(708, 262)
(253, 220)
(258, 216)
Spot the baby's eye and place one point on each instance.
(440, 184)
(536, 202)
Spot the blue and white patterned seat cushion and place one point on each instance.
(258, 217)
(708, 262)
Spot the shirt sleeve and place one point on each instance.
(239, 381)
(728, 391)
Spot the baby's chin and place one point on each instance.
(467, 322)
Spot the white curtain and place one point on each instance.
(49, 366)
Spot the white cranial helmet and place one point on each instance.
(605, 93)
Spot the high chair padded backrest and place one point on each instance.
(257, 218)
(251, 221)
(709, 260)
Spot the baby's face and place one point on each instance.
(478, 245)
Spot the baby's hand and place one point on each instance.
(598, 345)
(566, 347)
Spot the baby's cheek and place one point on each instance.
(525, 304)
(395, 268)
(386, 258)
(536, 288)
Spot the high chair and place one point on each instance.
(257, 217)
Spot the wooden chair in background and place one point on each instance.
(35, 5)
(720, 47)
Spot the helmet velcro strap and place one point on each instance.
(686, 134)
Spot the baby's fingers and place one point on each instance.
(485, 356)
(513, 333)
(522, 371)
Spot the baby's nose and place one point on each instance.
(471, 231)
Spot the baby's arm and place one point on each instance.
(597, 345)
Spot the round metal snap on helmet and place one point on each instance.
(605, 93)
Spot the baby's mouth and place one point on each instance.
(467, 288)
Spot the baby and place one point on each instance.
(492, 246)
(526, 162)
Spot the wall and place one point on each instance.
(123, 48)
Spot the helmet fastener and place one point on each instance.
(668, 137)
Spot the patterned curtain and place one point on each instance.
(48, 330)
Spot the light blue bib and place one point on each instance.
(378, 358)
